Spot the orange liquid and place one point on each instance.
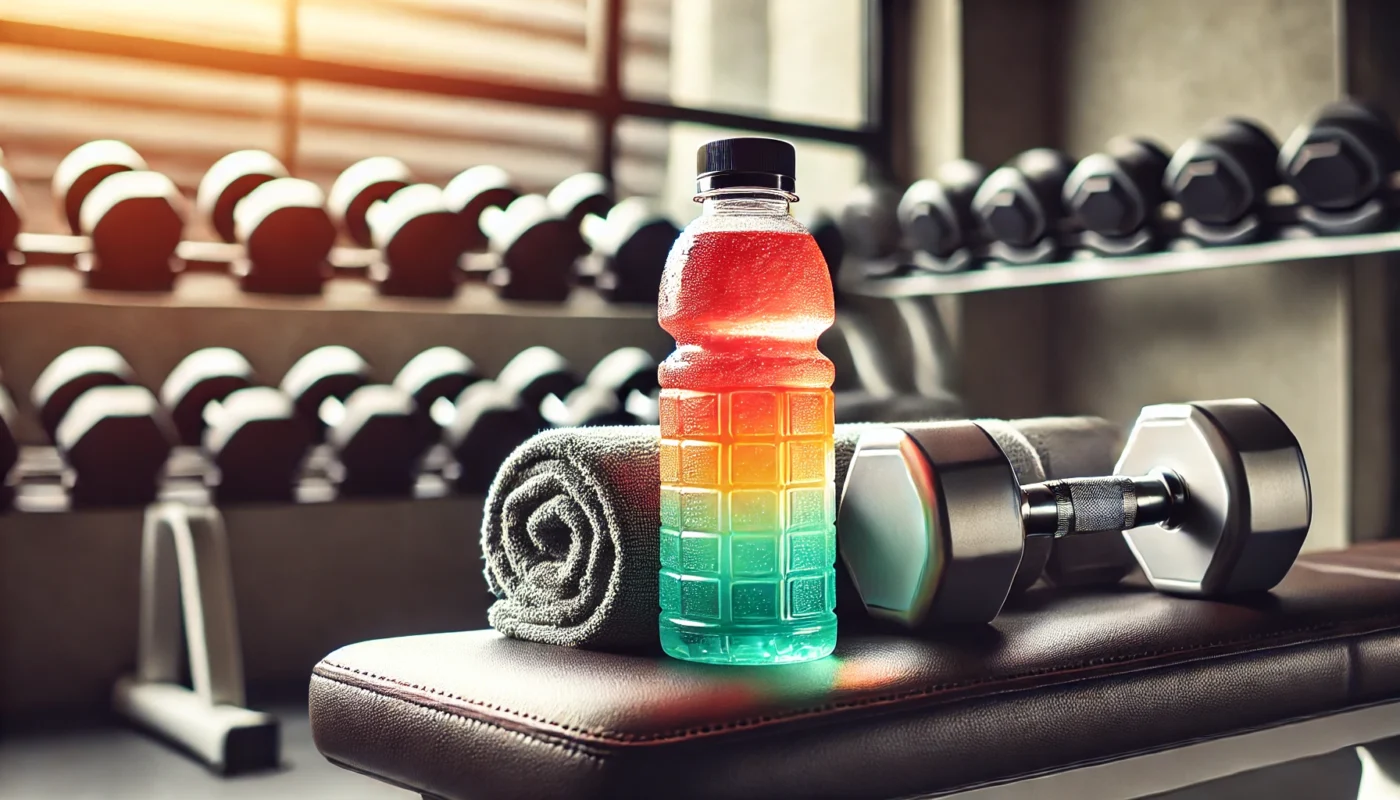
(747, 502)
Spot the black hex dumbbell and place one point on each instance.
(360, 186)
(435, 378)
(633, 242)
(11, 220)
(1115, 197)
(1339, 163)
(281, 222)
(72, 374)
(575, 198)
(621, 389)
(251, 435)
(936, 220)
(419, 242)
(1221, 180)
(473, 191)
(319, 382)
(532, 245)
(112, 435)
(870, 226)
(539, 378)
(377, 442)
(133, 216)
(488, 423)
(1020, 208)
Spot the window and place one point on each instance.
(543, 88)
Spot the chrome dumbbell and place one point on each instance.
(1212, 497)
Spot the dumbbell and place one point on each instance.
(473, 191)
(870, 226)
(113, 436)
(281, 222)
(936, 219)
(435, 378)
(378, 442)
(577, 197)
(1339, 162)
(1212, 497)
(535, 374)
(360, 186)
(9, 448)
(1221, 181)
(1020, 207)
(488, 423)
(133, 216)
(251, 435)
(11, 220)
(621, 389)
(419, 242)
(1115, 197)
(320, 381)
(533, 246)
(633, 241)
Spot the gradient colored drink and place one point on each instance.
(748, 544)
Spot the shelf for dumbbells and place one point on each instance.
(995, 277)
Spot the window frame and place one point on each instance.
(606, 106)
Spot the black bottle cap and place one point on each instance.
(746, 162)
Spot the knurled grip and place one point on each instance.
(1085, 505)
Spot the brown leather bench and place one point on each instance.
(1062, 684)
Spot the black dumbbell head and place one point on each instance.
(360, 186)
(591, 406)
(378, 443)
(74, 372)
(576, 197)
(1223, 174)
(634, 242)
(330, 371)
(1020, 203)
(935, 215)
(533, 245)
(229, 181)
(257, 443)
(11, 214)
(419, 242)
(288, 234)
(534, 374)
(869, 222)
(84, 168)
(472, 192)
(1342, 156)
(1115, 193)
(435, 374)
(624, 371)
(202, 377)
(115, 441)
(489, 425)
(135, 219)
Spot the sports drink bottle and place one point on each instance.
(748, 543)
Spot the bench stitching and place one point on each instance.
(925, 691)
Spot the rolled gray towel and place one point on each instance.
(570, 536)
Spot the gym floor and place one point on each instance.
(116, 763)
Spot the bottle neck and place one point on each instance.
(749, 202)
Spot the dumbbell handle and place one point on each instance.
(1113, 503)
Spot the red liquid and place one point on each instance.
(746, 308)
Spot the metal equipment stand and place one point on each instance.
(186, 582)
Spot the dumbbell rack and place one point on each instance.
(915, 282)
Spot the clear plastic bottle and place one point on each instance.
(748, 543)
